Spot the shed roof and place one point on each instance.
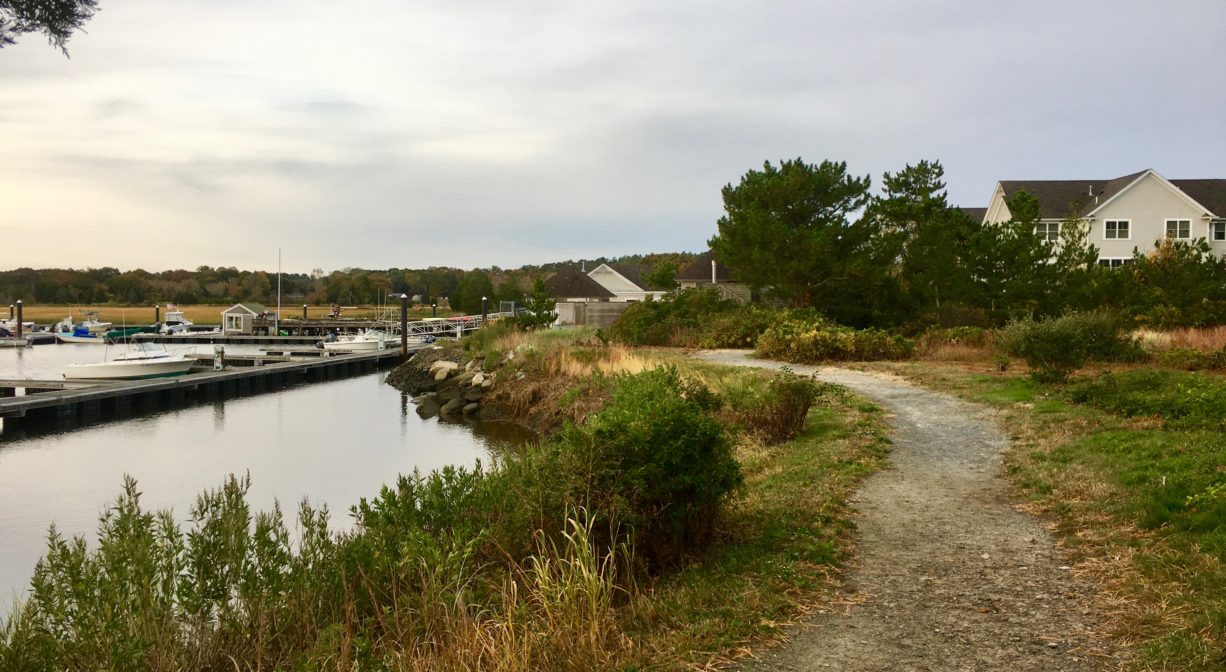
(247, 307)
(571, 283)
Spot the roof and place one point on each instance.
(700, 270)
(250, 306)
(1209, 193)
(635, 273)
(1061, 198)
(571, 283)
(975, 214)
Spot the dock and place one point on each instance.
(63, 404)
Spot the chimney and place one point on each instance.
(582, 266)
(713, 271)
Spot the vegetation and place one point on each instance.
(1057, 347)
(595, 549)
(697, 318)
(57, 19)
(810, 340)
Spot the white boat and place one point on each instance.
(371, 339)
(95, 325)
(176, 322)
(142, 360)
(67, 332)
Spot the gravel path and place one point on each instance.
(947, 575)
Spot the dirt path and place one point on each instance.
(947, 576)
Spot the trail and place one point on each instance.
(947, 574)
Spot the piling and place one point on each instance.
(19, 326)
(157, 313)
(304, 317)
(485, 309)
(11, 311)
(404, 325)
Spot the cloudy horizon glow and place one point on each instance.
(476, 133)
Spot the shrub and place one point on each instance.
(776, 412)
(1056, 347)
(655, 461)
(812, 339)
(697, 317)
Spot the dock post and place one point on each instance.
(404, 325)
(157, 313)
(304, 317)
(19, 327)
(434, 310)
(11, 308)
(485, 309)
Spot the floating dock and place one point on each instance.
(63, 404)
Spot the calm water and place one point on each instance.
(332, 442)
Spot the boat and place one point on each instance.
(176, 322)
(77, 334)
(95, 325)
(142, 360)
(124, 333)
(371, 339)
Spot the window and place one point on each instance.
(1114, 262)
(1217, 230)
(1117, 229)
(1180, 229)
(1048, 231)
(234, 322)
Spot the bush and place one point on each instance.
(812, 339)
(776, 412)
(655, 461)
(1055, 348)
(693, 318)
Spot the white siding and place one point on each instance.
(1147, 204)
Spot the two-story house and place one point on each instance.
(1126, 213)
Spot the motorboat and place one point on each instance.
(175, 323)
(95, 325)
(369, 340)
(66, 332)
(141, 360)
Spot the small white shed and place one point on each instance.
(240, 318)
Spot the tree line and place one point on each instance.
(813, 235)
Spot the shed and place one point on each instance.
(240, 318)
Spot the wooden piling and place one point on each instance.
(404, 325)
(19, 326)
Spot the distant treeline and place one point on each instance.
(226, 284)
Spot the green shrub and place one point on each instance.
(1056, 347)
(1183, 400)
(695, 318)
(812, 339)
(973, 336)
(776, 412)
(1191, 359)
(655, 461)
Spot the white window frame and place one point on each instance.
(1114, 262)
(1047, 231)
(234, 322)
(1216, 227)
(1166, 228)
(1117, 232)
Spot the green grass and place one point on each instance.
(1126, 464)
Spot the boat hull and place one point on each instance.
(69, 338)
(354, 346)
(133, 370)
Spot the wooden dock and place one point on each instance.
(61, 404)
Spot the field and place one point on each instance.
(199, 314)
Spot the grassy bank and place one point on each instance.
(691, 511)
(197, 313)
(1131, 466)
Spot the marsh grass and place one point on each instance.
(1132, 493)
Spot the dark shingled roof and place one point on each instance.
(700, 270)
(1209, 193)
(571, 283)
(975, 214)
(1060, 198)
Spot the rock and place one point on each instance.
(487, 383)
(428, 407)
(473, 394)
(478, 378)
(471, 409)
(469, 366)
(452, 407)
(464, 379)
(441, 375)
(443, 365)
(448, 393)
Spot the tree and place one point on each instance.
(787, 229)
(540, 306)
(57, 19)
(663, 275)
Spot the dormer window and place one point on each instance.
(1179, 229)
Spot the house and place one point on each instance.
(1125, 213)
(240, 318)
(583, 301)
(626, 282)
(706, 271)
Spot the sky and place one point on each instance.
(474, 133)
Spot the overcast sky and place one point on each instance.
(381, 133)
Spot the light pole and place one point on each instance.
(404, 325)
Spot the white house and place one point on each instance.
(240, 318)
(1122, 214)
(626, 282)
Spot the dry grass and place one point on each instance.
(1204, 339)
(956, 352)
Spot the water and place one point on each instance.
(333, 442)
